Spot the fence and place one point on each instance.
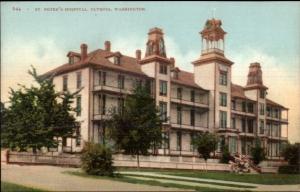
(120, 160)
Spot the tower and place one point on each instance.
(212, 71)
(157, 66)
(256, 90)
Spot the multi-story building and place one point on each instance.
(205, 100)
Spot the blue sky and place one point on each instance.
(267, 32)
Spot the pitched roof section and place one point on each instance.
(98, 58)
(270, 102)
(186, 78)
(237, 91)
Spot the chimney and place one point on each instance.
(83, 48)
(172, 62)
(107, 45)
(138, 54)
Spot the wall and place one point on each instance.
(84, 93)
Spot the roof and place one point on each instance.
(270, 102)
(238, 92)
(98, 58)
(186, 78)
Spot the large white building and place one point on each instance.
(205, 100)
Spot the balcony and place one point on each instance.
(111, 89)
(277, 119)
(243, 112)
(196, 127)
(201, 104)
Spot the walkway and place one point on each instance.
(190, 181)
(52, 178)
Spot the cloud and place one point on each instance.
(19, 54)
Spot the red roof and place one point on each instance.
(186, 78)
(99, 59)
(237, 91)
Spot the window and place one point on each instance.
(78, 106)
(65, 83)
(233, 123)
(232, 144)
(163, 69)
(250, 125)
(262, 94)
(78, 137)
(71, 60)
(78, 80)
(223, 99)
(64, 141)
(244, 106)
(121, 80)
(163, 89)
(261, 126)
(192, 117)
(117, 60)
(261, 109)
(163, 111)
(192, 96)
(179, 115)
(223, 119)
(244, 125)
(250, 107)
(102, 78)
(165, 140)
(233, 104)
(178, 144)
(102, 104)
(223, 78)
(120, 105)
(192, 146)
(179, 93)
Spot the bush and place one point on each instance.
(257, 153)
(289, 169)
(291, 153)
(96, 159)
(225, 155)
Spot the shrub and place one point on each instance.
(257, 153)
(225, 155)
(289, 169)
(96, 159)
(291, 153)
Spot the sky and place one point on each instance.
(42, 33)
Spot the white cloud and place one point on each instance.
(19, 54)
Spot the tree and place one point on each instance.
(35, 116)
(205, 144)
(257, 152)
(291, 153)
(225, 153)
(137, 127)
(96, 159)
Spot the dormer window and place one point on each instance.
(71, 60)
(117, 60)
(175, 73)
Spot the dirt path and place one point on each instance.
(51, 178)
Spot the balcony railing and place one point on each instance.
(189, 102)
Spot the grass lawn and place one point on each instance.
(147, 182)
(268, 179)
(11, 187)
